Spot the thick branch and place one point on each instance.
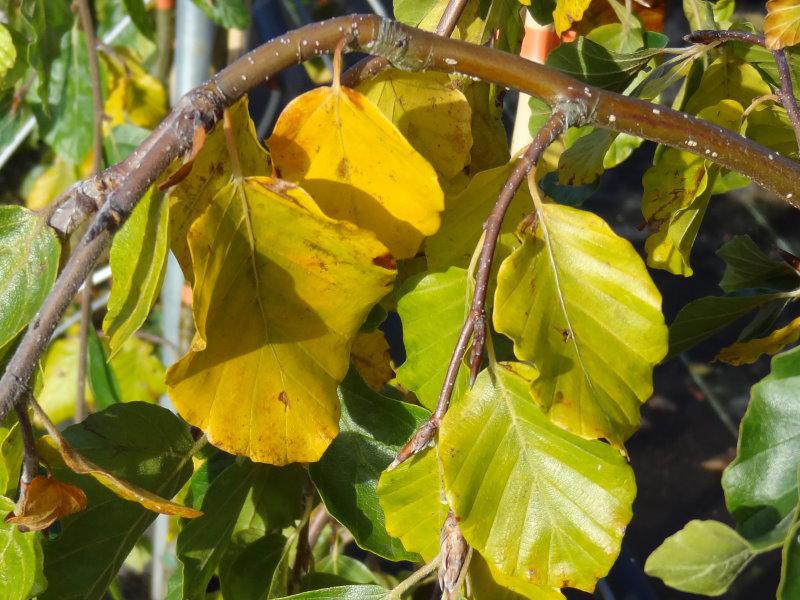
(119, 188)
(786, 93)
(474, 326)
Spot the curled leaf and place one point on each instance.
(782, 24)
(46, 501)
(742, 353)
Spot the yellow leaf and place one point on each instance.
(210, 171)
(742, 353)
(134, 95)
(782, 24)
(568, 12)
(279, 294)
(50, 183)
(432, 115)
(358, 167)
(58, 380)
(54, 446)
(46, 501)
(370, 357)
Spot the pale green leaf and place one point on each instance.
(578, 302)
(20, 558)
(349, 592)
(8, 54)
(29, 252)
(432, 309)
(542, 505)
(702, 558)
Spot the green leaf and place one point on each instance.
(20, 558)
(727, 79)
(227, 13)
(142, 19)
(489, 141)
(138, 261)
(250, 553)
(591, 154)
(702, 558)
(348, 592)
(105, 388)
(702, 318)
(432, 308)
(8, 54)
(700, 14)
(141, 443)
(123, 140)
(412, 499)
(372, 429)
(577, 301)
(510, 473)
(748, 267)
(462, 221)
(789, 586)
(761, 483)
(29, 252)
(10, 453)
(347, 569)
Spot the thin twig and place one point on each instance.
(118, 189)
(319, 519)
(413, 579)
(85, 15)
(475, 326)
(30, 460)
(786, 93)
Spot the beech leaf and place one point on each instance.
(578, 302)
(512, 474)
(279, 294)
(782, 24)
(20, 559)
(488, 584)
(47, 500)
(743, 353)
(358, 167)
(568, 12)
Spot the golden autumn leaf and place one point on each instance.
(208, 172)
(46, 501)
(568, 12)
(782, 24)
(134, 95)
(742, 353)
(358, 167)
(279, 294)
(370, 357)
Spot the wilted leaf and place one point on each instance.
(742, 353)
(761, 483)
(358, 167)
(782, 24)
(210, 171)
(702, 558)
(462, 222)
(373, 428)
(29, 252)
(567, 12)
(47, 500)
(510, 473)
(413, 500)
(141, 443)
(20, 558)
(370, 356)
(138, 260)
(261, 376)
(748, 267)
(432, 309)
(577, 300)
(429, 111)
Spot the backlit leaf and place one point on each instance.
(280, 291)
(47, 500)
(742, 353)
(488, 584)
(702, 558)
(577, 300)
(413, 500)
(432, 309)
(210, 171)
(29, 252)
(8, 54)
(138, 260)
(10, 453)
(358, 167)
(429, 111)
(462, 222)
(782, 24)
(373, 428)
(134, 95)
(20, 558)
(761, 483)
(512, 474)
(140, 443)
(727, 79)
(567, 12)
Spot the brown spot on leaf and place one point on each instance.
(284, 398)
(386, 261)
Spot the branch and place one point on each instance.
(413, 579)
(474, 326)
(30, 460)
(786, 93)
(118, 188)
